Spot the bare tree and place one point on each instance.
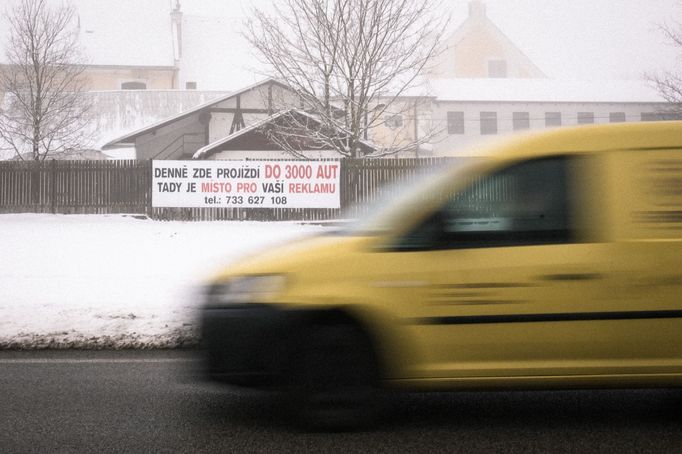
(45, 110)
(669, 83)
(349, 62)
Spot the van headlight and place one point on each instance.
(246, 289)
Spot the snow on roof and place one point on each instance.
(130, 137)
(544, 90)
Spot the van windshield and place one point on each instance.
(396, 201)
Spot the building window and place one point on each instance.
(488, 123)
(660, 116)
(552, 119)
(455, 122)
(133, 85)
(394, 121)
(190, 85)
(585, 118)
(521, 120)
(616, 117)
(497, 69)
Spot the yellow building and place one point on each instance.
(476, 49)
(479, 49)
(481, 85)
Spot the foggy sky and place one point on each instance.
(571, 39)
(566, 39)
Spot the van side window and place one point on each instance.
(525, 204)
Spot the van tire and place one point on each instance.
(334, 379)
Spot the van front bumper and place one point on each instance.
(244, 345)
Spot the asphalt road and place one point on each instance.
(148, 402)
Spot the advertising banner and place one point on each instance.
(246, 184)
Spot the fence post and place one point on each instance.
(34, 184)
(52, 175)
(148, 187)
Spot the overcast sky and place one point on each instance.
(566, 39)
(576, 39)
(589, 39)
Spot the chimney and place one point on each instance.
(176, 31)
(477, 10)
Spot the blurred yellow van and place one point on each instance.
(554, 261)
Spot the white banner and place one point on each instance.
(246, 184)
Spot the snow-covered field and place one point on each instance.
(113, 281)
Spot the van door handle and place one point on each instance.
(571, 277)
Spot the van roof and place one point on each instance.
(588, 138)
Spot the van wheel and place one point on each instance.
(334, 379)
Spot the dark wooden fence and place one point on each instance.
(75, 187)
(101, 187)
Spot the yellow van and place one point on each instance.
(555, 261)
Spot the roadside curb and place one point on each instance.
(178, 339)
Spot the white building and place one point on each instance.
(465, 111)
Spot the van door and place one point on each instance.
(645, 204)
(512, 287)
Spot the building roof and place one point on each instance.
(129, 139)
(244, 138)
(543, 90)
(84, 155)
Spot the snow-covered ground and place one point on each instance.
(113, 281)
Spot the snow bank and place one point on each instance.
(111, 281)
